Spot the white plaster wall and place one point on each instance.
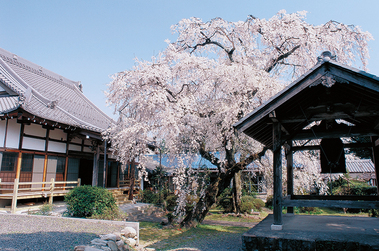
(51, 168)
(87, 149)
(56, 147)
(76, 140)
(32, 144)
(58, 134)
(3, 124)
(13, 134)
(35, 130)
(38, 164)
(74, 148)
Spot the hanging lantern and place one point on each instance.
(332, 156)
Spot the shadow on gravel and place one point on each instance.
(204, 237)
(53, 241)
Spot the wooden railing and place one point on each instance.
(36, 190)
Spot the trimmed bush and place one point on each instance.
(249, 202)
(85, 201)
(148, 196)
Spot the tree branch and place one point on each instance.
(274, 62)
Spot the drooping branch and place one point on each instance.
(175, 95)
(209, 41)
(275, 61)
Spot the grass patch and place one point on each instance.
(217, 215)
(153, 235)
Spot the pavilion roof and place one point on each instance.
(330, 91)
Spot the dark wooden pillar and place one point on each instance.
(289, 157)
(277, 203)
(95, 172)
(105, 164)
(375, 154)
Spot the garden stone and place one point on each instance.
(131, 242)
(112, 245)
(120, 244)
(118, 236)
(92, 249)
(107, 237)
(99, 242)
(129, 232)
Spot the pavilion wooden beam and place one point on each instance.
(317, 147)
(353, 132)
(277, 203)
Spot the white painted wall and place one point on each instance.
(87, 149)
(3, 124)
(51, 168)
(38, 164)
(72, 147)
(76, 140)
(32, 144)
(35, 130)
(13, 134)
(58, 134)
(56, 147)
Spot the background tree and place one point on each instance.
(215, 73)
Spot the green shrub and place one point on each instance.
(148, 196)
(269, 202)
(110, 214)
(46, 208)
(226, 203)
(85, 201)
(249, 202)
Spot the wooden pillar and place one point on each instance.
(375, 154)
(289, 157)
(18, 167)
(105, 163)
(277, 203)
(95, 172)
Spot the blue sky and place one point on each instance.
(88, 41)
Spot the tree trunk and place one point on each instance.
(237, 192)
(222, 181)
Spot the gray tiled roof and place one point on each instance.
(48, 95)
(360, 166)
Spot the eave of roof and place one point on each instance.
(49, 95)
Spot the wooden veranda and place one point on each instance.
(331, 101)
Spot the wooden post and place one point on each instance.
(118, 174)
(95, 172)
(289, 157)
(79, 181)
(375, 154)
(18, 167)
(105, 163)
(51, 191)
(277, 203)
(14, 197)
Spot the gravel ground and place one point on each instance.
(26, 232)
